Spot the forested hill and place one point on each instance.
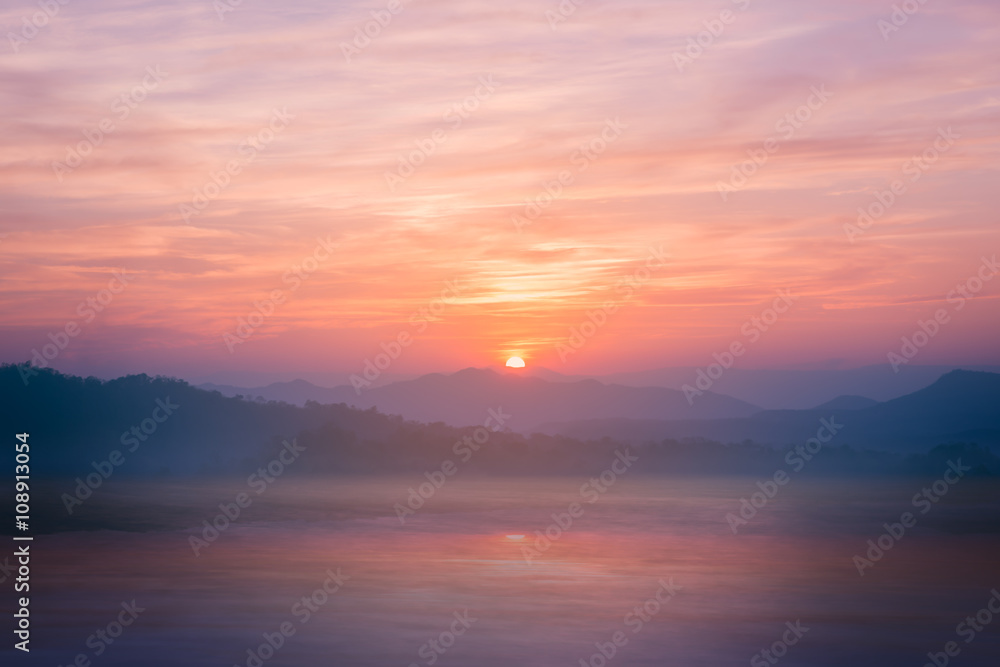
(165, 427)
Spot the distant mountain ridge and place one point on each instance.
(767, 389)
(462, 399)
(847, 403)
(960, 406)
(782, 389)
(141, 426)
(296, 392)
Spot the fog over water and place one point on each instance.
(401, 584)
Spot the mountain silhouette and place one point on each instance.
(801, 389)
(847, 403)
(960, 406)
(76, 423)
(462, 398)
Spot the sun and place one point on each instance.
(515, 362)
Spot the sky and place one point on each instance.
(202, 188)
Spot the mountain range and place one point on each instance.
(766, 389)
(961, 406)
(463, 398)
(167, 426)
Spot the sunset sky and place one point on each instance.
(496, 102)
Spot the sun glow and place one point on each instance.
(515, 362)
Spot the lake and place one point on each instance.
(649, 573)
